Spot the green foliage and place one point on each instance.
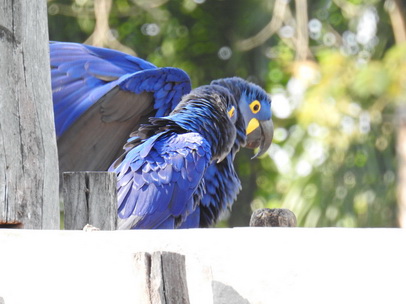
(332, 161)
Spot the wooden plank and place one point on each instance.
(161, 278)
(29, 184)
(90, 198)
(157, 293)
(174, 278)
(142, 264)
(75, 200)
(102, 200)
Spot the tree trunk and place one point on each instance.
(397, 17)
(29, 193)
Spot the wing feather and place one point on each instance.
(166, 194)
(100, 96)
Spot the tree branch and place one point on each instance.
(397, 19)
(267, 32)
(101, 35)
(302, 42)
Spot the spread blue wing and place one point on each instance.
(159, 178)
(82, 74)
(100, 96)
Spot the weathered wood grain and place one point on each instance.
(28, 156)
(102, 200)
(157, 292)
(277, 217)
(75, 200)
(174, 278)
(142, 265)
(161, 278)
(90, 198)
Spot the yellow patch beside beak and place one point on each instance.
(231, 112)
(252, 125)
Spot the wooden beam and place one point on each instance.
(90, 198)
(29, 194)
(161, 278)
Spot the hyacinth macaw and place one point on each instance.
(101, 96)
(159, 177)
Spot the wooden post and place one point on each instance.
(90, 198)
(161, 278)
(401, 158)
(273, 218)
(29, 195)
(397, 16)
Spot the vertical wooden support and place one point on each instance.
(161, 278)
(90, 198)
(401, 158)
(29, 195)
(142, 264)
(398, 20)
(273, 218)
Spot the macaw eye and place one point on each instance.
(255, 106)
(231, 112)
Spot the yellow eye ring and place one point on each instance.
(255, 106)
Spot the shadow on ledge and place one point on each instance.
(224, 294)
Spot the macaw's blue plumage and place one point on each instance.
(160, 177)
(221, 183)
(101, 96)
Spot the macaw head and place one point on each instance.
(211, 112)
(254, 105)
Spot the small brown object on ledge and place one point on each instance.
(12, 225)
(273, 218)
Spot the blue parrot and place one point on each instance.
(101, 96)
(159, 178)
(254, 129)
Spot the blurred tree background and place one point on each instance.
(336, 71)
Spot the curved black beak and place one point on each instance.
(261, 137)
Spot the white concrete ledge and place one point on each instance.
(246, 265)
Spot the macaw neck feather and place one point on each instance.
(203, 111)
